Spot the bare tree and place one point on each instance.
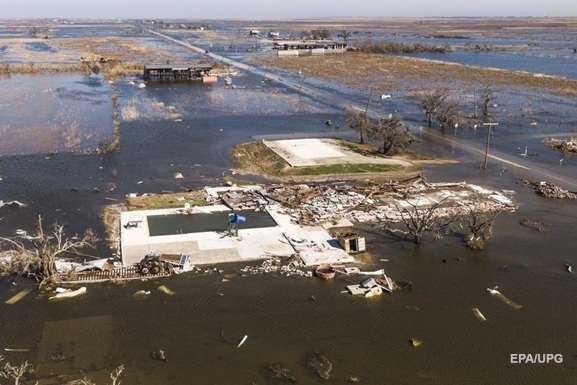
(448, 115)
(15, 372)
(480, 227)
(359, 122)
(344, 34)
(392, 132)
(36, 29)
(488, 97)
(35, 255)
(421, 220)
(321, 34)
(432, 101)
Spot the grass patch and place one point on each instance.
(165, 201)
(257, 158)
(345, 169)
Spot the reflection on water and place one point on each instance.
(46, 113)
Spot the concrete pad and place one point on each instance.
(213, 247)
(323, 151)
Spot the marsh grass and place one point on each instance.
(361, 71)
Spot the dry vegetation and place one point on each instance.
(388, 72)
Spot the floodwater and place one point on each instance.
(190, 129)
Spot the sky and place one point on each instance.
(263, 9)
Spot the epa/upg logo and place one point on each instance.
(549, 358)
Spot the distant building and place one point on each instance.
(254, 32)
(312, 47)
(178, 72)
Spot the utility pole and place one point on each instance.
(369, 101)
(490, 124)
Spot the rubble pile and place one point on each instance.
(567, 145)
(312, 205)
(550, 190)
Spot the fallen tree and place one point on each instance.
(35, 255)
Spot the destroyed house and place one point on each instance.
(306, 45)
(178, 72)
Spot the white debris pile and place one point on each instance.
(288, 267)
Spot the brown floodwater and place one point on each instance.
(170, 128)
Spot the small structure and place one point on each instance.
(351, 242)
(179, 72)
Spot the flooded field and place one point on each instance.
(49, 123)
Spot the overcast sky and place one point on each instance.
(261, 9)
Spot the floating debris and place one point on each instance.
(415, 342)
(478, 314)
(159, 355)
(495, 293)
(539, 226)
(16, 350)
(141, 294)
(549, 190)
(165, 290)
(18, 297)
(12, 204)
(242, 341)
(320, 364)
(69, 293)
(281, 373)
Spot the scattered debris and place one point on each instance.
(281, 373)
(495, 293)
(68, 293)
(285, 266)
(325, 271)
(178, 175)
(159, 355)
(539, 226)
(564, 145)
(320, 364)
(372, 287)
(478, 314)
(12, 204)
(569, 268)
